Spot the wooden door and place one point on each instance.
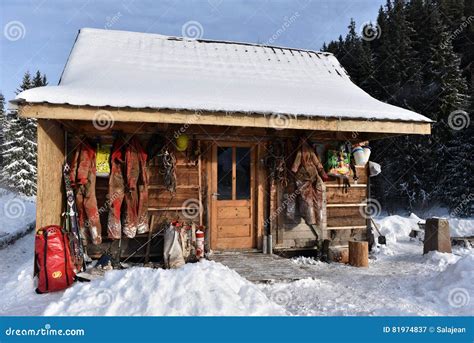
(232, 196)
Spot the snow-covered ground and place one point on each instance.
(399, 281)
(17, 216)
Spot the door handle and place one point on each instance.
(215, 194)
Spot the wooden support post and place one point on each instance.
(51, 154)
(437, 236)
(201, 205)
(279, 219)
(359, 253)
(261, 180)
(273, 206)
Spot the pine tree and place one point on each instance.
(19, 171)
(416, 64)
(398, 77)
(26, 83)
(39, 80)
(354, 55)
(457, 180)
(19, 146)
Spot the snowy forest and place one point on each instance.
(18, 143)
(418, 55)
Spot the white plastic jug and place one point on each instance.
(366, 153)
(359, 156)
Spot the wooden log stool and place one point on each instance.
(437, 236)
(359, 253)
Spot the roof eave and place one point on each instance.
(70, 112)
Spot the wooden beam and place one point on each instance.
(346, 227)
(201, 204)
(335, 185)
(51, 154)
(261, 185)
(69, 112)
(347, 205)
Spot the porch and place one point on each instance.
(262, 268)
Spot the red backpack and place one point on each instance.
(53, 263)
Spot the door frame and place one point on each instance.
(212, 187)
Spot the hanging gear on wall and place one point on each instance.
(71, 223)
(309, 174)
(142, 188)
(182, 142)
(167, 165)
(158, 146)
(128, 189)
(102, 160)
(83, 179)
(194, 152)
(276, 162)
(339, 165)
(156, 143)
(116, 188)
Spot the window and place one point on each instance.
(242, 166)
(224, 173)
(233, 173)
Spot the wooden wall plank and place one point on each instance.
(344, 216)
(355, 195)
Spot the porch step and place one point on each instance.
(262, 268)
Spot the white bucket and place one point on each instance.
(366, 153)
(359, 156)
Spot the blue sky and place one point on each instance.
(39, 34)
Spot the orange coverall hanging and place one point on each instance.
(309, 174)
(83, 180)
(128, 181)
(116, 188)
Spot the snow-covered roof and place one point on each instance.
(142, 70)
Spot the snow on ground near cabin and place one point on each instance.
(399, 281)
(17, 287)
(206, 288)
(17, 214)
(459, 227)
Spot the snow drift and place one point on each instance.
(17, 215)
(201, 289)
(452, 290)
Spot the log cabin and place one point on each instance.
(233, 100)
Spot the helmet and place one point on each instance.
(182, 142)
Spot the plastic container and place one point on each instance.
(367, 152)
(359, 156)
(199, 244)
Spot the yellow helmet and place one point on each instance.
(182, 142)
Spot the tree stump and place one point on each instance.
(437, 235)
(359, 254)
(340, 255)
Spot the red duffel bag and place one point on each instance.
(53, 263)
